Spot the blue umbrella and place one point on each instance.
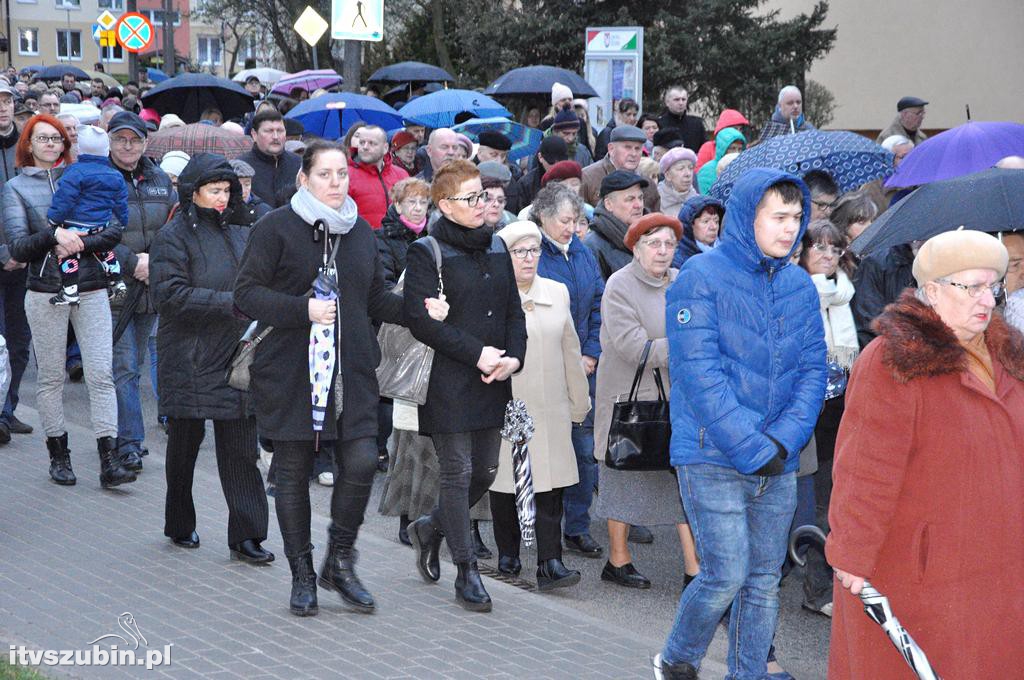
(525, 140)
(971, 147)
(57, 71)
(851, 160)
(538, 80)
(156, 75)
(409, 71)
(331, 115)
(438, 109)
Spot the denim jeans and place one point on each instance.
(129, 358)
(151, 343)
(577, 498)
(740, 524)
(14, 328)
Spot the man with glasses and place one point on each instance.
(150, 200)
(372, 174)
(824, 193)
(909, 117)
(49, 103)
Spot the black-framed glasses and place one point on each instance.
(48, 139)
(472, 200)
(976, 289)
(823, 205)
(524, 253)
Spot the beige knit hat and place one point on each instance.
(956, 251)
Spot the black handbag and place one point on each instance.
(639, 436)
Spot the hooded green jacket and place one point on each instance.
(709, 171)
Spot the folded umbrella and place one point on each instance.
(991, 201)
(438, 109)
(322, 352)
(518, 430)
(410, 71)
(851, 160)
(525, 140)
(308, 80)
(965, 149)
(198, 138)
(538, 80)
(189, 94)
(330, 116)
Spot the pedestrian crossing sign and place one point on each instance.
(357, 20)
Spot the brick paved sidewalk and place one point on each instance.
(72, 559)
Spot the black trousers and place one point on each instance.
(818, 576)
(548, 525)
(355, 464)
(235, 443)
(468, 462)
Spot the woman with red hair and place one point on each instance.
(42, 152)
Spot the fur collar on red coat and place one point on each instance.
(920, 345)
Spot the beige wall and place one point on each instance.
(47, 18)
(948, 52)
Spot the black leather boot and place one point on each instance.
(480, 549)
(426, 539)
(403, 530)
(469, 589)
(60, 460)
(552, 574)
(303, 600)
(338, 573)
(112, 472)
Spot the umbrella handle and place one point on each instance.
(807, 532)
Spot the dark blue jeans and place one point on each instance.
(576, 499)
(740, 524)
(14, 328)
(129, 358)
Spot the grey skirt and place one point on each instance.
(640, 498)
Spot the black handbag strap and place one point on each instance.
(437, 262)
(640, 374)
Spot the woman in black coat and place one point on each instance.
(477, 348)
(285, 253)
(193, 267)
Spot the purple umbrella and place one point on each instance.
(965, 149)
(308, 80)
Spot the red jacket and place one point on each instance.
(369, 188)
(929, 473)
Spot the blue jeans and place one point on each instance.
(577, 498)
(740, 524)
(14, 328)
(152, 357)
(129, 358)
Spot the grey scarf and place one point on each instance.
(310, 209)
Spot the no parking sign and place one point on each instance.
(134, 32)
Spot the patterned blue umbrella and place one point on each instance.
(851, 159)
(525, 140)
(438, 109)
(330, 115)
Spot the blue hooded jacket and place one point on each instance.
(687, 214)
(746, 345)
(581, 276)
(90, 191)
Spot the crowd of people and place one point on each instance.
(595, 269)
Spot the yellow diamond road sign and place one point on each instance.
(106, 20)
(311, 26)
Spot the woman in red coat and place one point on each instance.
(929, 474)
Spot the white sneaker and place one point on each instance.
(326, 479)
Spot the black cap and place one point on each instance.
(293, 127)
(494, 140)
(554, 149)
(910, 102)
(621, 179)
(126, 120)
(628, 133)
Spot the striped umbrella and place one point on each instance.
(322, 352)
(518, 430)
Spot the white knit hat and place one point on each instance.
(560, 92)
(174, 162)
(93, 141)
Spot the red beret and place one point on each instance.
(560, 171)
(400, 139)
(649, 223)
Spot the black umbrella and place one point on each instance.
(57, 71)
(410, 71)
(188, 95)
(538, 80)
(991, 201)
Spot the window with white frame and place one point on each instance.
(208, 52)
(115, 5)
(69, 4)
(69, 44)
(247, 47)
(28, 41)
(115, 53)
(156, 16)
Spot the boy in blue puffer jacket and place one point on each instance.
(90, 192)
(747, 362)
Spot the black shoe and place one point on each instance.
(143, 452)
(250, 551)
(663, 670)
(469, 589)
(640, 535)
(303, 600)
(18, 427)
(112, 472)
(132, 460)
(76, 372)
(382, 460)
(480, 550)
(5, 433)
(191, 542)
(338, 573)
(626, 575)
(583, 545)
(510, 566)
(426, 539)
(552, 574)
(403, 530)
(60, 460)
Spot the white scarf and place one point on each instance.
(1015, 310)
(836, 315)
(310, 209)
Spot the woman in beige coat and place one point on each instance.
(553, 385)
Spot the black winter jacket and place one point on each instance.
(522, 191)
(26, 198)
(193, 265)
(275, 175)
(605, 241)
(393, 241)
(691, 127)
(878, 281)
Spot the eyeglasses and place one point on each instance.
(416, 202)
(48, 139)
(977, 289)
(828, 250)
(472, 200)
(494, 198)
(127, 142)
(524, 253)
(824, 205)
(669, 244)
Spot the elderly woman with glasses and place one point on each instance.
(928, 474)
